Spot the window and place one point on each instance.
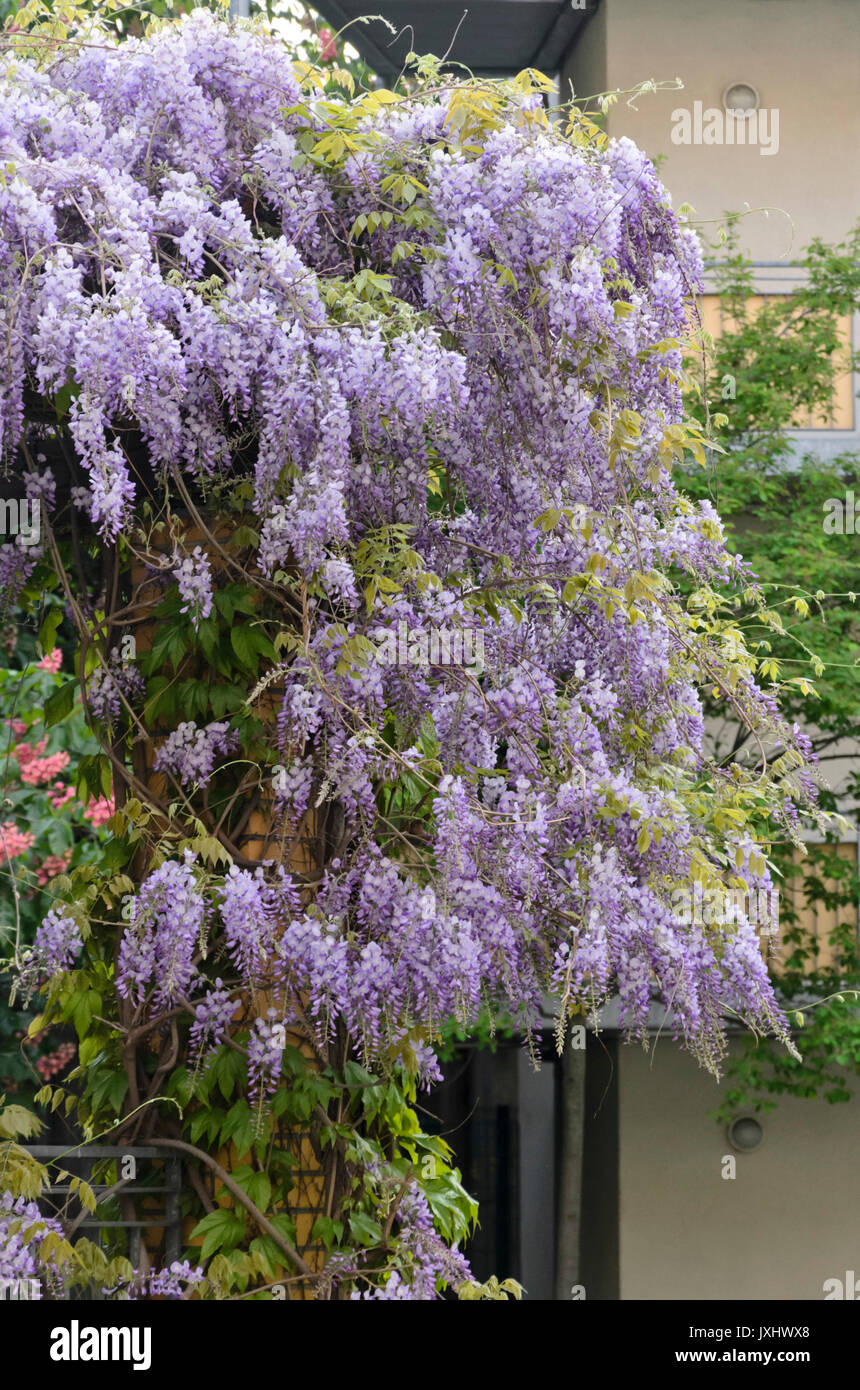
(842, 417)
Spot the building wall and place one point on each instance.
(787, 1222)
(803, 57)
(586, 72)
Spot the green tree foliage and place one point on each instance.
(773, 366)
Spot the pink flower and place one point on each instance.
(26, 752)
(14, 841)
(52, 662)
(37, 771)
(60, 796)
(53, 865)
(17, 726)
(328, 48)
(100, 811)
(56, 1061)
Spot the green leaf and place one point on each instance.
(59, 705)
(228, 1070)
(63, 397)
(285, 1226)
(116, 1090)
(328, 1231)
(95, 773)
(18, 1123)
(208, 635)
(549, 519)
(88, 1049)
(243, 645)
(364, 1229)
(180, 1084)
(86, 1196)
(82, 1012)
(259, 1189)
(169, 644)
(271, 1255)
(117, 853)
(224, 604)
(239, 1126)
(48, 630)
(225, 698)
(221, 1229)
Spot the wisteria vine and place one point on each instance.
(426, 350)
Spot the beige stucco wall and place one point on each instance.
(803, 56)
(586, 74)
(788, 1221)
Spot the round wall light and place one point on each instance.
(745, 1134)
(741, 98)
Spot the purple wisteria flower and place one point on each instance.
(175, 1281)
(16, 566)
(426, 1264)
(191, 751)
(193, 575)
(165, 932)
(110, 684)
(248, 908)
(212, 1017)
(23, 1228)
(56, 946)
(265, 1048)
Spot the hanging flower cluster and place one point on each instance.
(177, 1280)
(190, 753)
(55, 949)
(437, 340)
(193, 577)
(22, 1230)
(109, 685)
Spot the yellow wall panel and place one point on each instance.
(715, 322)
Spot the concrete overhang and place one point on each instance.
(493, 38)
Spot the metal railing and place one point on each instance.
(139, 1183)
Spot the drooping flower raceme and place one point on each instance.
(23, 1228)
(193, 576)
(166, 929)
(190, 752)
(55, 948)
(111, 683)
(174, 1281)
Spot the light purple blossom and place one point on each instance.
(190, 752)
(109, 683)
(174, 1281)
(23, 1227)
(165, 931)
(265, 1049)
(212, 1017)
(193, 574)
(55, 948)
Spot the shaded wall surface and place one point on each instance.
(802, 57)
(659, 1218)
(788, 1221)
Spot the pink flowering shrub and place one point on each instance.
(14, 841)
(50, 829)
